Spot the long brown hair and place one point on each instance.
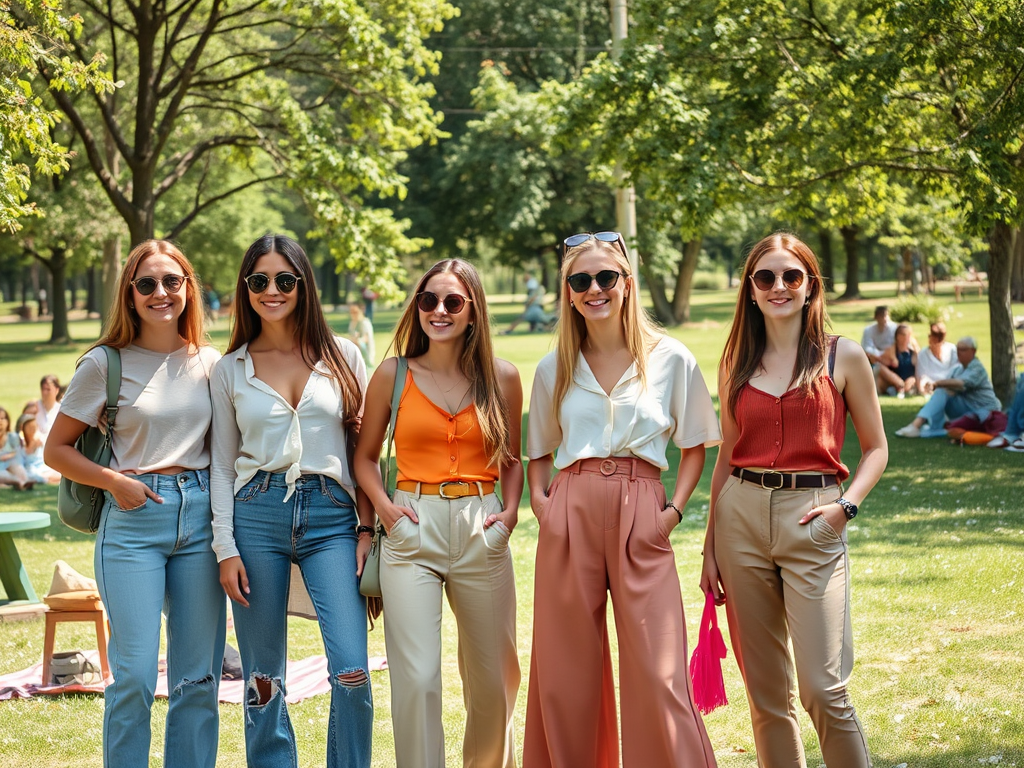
(314, 335)
(747, 338)
(641, 332)
(123, 325)
(476, 362)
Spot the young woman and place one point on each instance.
(785, 387)
(936, 361)
(898, 367)
(48, 405)
(32, 451)
(153, 547)
(287, 397)
(12, 468)
(457, 432)
(604, 406)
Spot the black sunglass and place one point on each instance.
(606, 279)
(792, 278)
(146, 285)
(259, 282)
(454, 303)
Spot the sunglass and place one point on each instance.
(259, 282)
(765, 279)
(453, 303)
(171, 283)
(606, 279)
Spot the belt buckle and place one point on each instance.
(772, 487)
(441, 487)
(608, 467)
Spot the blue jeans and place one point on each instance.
(944, 405)
(158, 558)
(315, 528)
(1015, 415)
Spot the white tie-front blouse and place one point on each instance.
(634, 420)
(255, 428)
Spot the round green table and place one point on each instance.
(12, 571)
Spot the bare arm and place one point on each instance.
(710, 580)
(366, 461)
(511, 472)
(538, 472)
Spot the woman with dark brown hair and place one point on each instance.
(287, 394)
(457, 432)
(775, 551)
(153, 546)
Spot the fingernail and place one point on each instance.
(160, 499)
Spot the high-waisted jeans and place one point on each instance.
(157, 558)
(316, 528)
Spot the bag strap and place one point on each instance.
(113, 387)
(832, 357)
(396, 398)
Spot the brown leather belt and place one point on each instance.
(774, 481)
(453, 489)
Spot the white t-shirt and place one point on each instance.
(163, 405)
(935, 368)
(45, 418)
(255, 428)
(875, 341)
(633, 421)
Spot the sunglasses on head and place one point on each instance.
(765, 279)
(259, 282)
(606, 279)
(454, 303)
(171, 283)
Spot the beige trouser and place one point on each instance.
(450, 549)
(788, 581)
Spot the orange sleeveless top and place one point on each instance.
(433, 446)
(794, 432)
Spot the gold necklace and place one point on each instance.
(444, 392)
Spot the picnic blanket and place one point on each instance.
(303, 679)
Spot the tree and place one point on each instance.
(25, 120)
(323, 97)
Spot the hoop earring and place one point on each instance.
(130, 305)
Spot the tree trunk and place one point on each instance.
(825, 257)
(656, 286)
(1000, 313)
(57, 265)
(110, 273)
(850, 244)
(92, 294)
(684, 280)
(1017, 272)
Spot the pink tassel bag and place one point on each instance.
(706, 661)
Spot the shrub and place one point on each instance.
(919, 309)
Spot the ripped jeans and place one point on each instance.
(315, 527)
(160, 557)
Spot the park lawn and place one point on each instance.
(937, 607)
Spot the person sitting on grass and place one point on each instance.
(12, 472)
(878, 336)
(32, 451)
(533, 312)
(898, 369)
(1011, 438)
(966, 391)
(937, 360)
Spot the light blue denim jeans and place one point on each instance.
(151, 560)
(315, 528)
(1015, 416)
(945, 406)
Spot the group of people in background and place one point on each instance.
(21, 441)
(228, 470)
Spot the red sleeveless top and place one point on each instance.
(794, 432)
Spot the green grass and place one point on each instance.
(938, 607)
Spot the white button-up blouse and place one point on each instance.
(633, 420)
(255, 428)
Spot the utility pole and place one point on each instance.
(625, 195)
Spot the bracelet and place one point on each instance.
(678, 511)
(361, 529)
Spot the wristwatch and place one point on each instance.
(361, 529)
(848, 507)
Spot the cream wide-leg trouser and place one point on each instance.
(787, 581)
(449, 549)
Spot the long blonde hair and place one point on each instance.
(641, 332)
(747, 337)
(122, 327)
(476, 363)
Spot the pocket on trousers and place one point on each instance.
(115, 507)
(249, 491)
(338, 496)
(404, 536)
(822, 533)
(497, 536)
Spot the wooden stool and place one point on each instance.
(97, 615)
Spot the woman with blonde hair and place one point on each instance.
(457, 432)
(604, 406)
(775, 551)
(153, 546)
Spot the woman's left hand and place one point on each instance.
(362, 552)
(833, 513)
(509, 518)
(669, 519)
